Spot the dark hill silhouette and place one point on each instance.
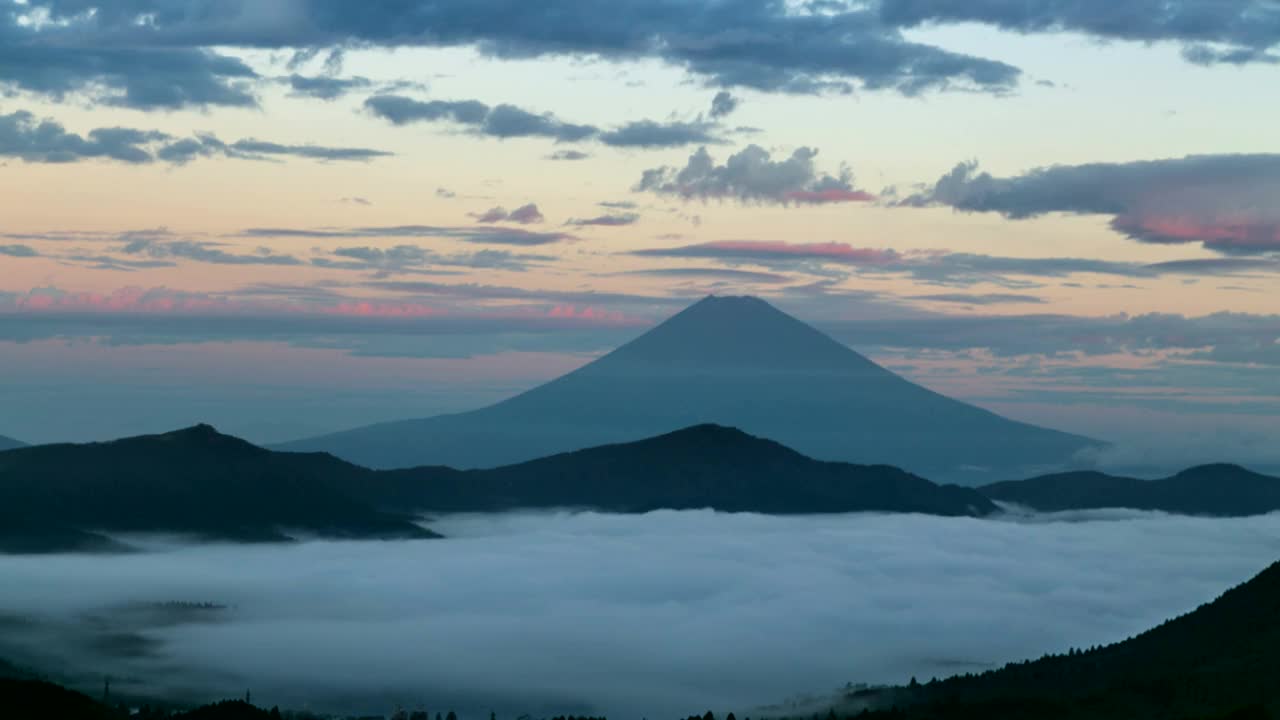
(1221, 490)
(35, 699)
(1219, 661)
(706, 466)
(196, 481)
(29, 699)
(734, 361)
(8, 443)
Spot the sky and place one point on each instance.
(658, 615)
(301, 216)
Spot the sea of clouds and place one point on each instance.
(647, 616)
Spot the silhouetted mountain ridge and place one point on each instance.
(8, 443)
(201, 482)
(1219, 659)
(705, 466)
(193, 481)
(734, 361)
(1219, 489)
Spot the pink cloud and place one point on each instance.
(380, 309)
(593, 314)
(1240, 233)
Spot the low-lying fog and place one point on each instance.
(658, 616)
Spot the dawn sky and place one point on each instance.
(300, 216)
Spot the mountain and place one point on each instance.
(1222, 490)
(734, 361)
(196, 481)
(1220, 661)
(705, 466)
(8, 443)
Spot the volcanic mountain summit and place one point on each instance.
(734, 361)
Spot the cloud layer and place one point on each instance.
(658, 615)
(155, 54)
(1210, 31)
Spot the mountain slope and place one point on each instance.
(197, 481)
(734, 361)
(1222, 490)
(1220, 659)
(8, 443)
(705, 466)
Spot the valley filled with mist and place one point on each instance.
(650, 615)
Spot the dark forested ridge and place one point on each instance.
(198, 481)
(194, 481)
(1220, 490)
(1219, 661)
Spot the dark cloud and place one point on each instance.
(356, 200)
(524, 215)
(725, 274)
(406, 258)
(508, 121)
(202, 252)
(1218, 266)
(651, 134)
(1211, 31)
(950, 268)
(502, 121)
(57, 61)
(324, 87)
(1227, 203)
(151, 53)
(723, 105)
(568, 155)
(751, 175)
(477, 234)
(481, 292)
(612, 220)
(400, 110)
(184, 151)
(22, 251)
(25, 137)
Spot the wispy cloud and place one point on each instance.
(33, 140)
(483, 234)
(611, 220)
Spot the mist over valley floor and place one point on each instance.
(631, 616)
